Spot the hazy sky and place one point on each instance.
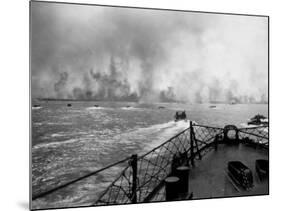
(105, 53)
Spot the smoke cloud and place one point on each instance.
(105, 53)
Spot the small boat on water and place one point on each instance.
(258, 120)
(180, 115)
(36, 106)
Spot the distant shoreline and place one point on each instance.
(130, 101)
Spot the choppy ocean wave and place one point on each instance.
(156, 133)
(52, 123)
(162, 132)
(54, 144)
(145, 137)
(69, 142)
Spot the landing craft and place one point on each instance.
(258, 120)
(161, 107)
(212, 106)
(36, 106)
(180, 115)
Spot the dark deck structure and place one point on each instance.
(209, 178)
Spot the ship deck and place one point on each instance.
(209, 177)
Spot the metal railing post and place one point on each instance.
(134, 164)
(192, 143)
(216, 142)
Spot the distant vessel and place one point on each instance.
(161, 107)
(36, 106)
(258, 120)
(180, 115)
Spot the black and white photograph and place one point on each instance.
(132, 105)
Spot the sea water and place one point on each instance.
(71, 141)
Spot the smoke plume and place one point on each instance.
(105, 53)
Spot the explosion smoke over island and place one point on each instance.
(105, 53)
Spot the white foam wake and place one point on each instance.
(129, 108)
(163, 132)
(96, 108)
(54, 144)
(151, 136)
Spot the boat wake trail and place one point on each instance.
(96, 108)
(152, 136)
(162, 132)
(36, 108)
(130, 108)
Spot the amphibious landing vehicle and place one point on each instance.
(180, 115)
(258, 120)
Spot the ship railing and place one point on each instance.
(142, 176)
(255, 135)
